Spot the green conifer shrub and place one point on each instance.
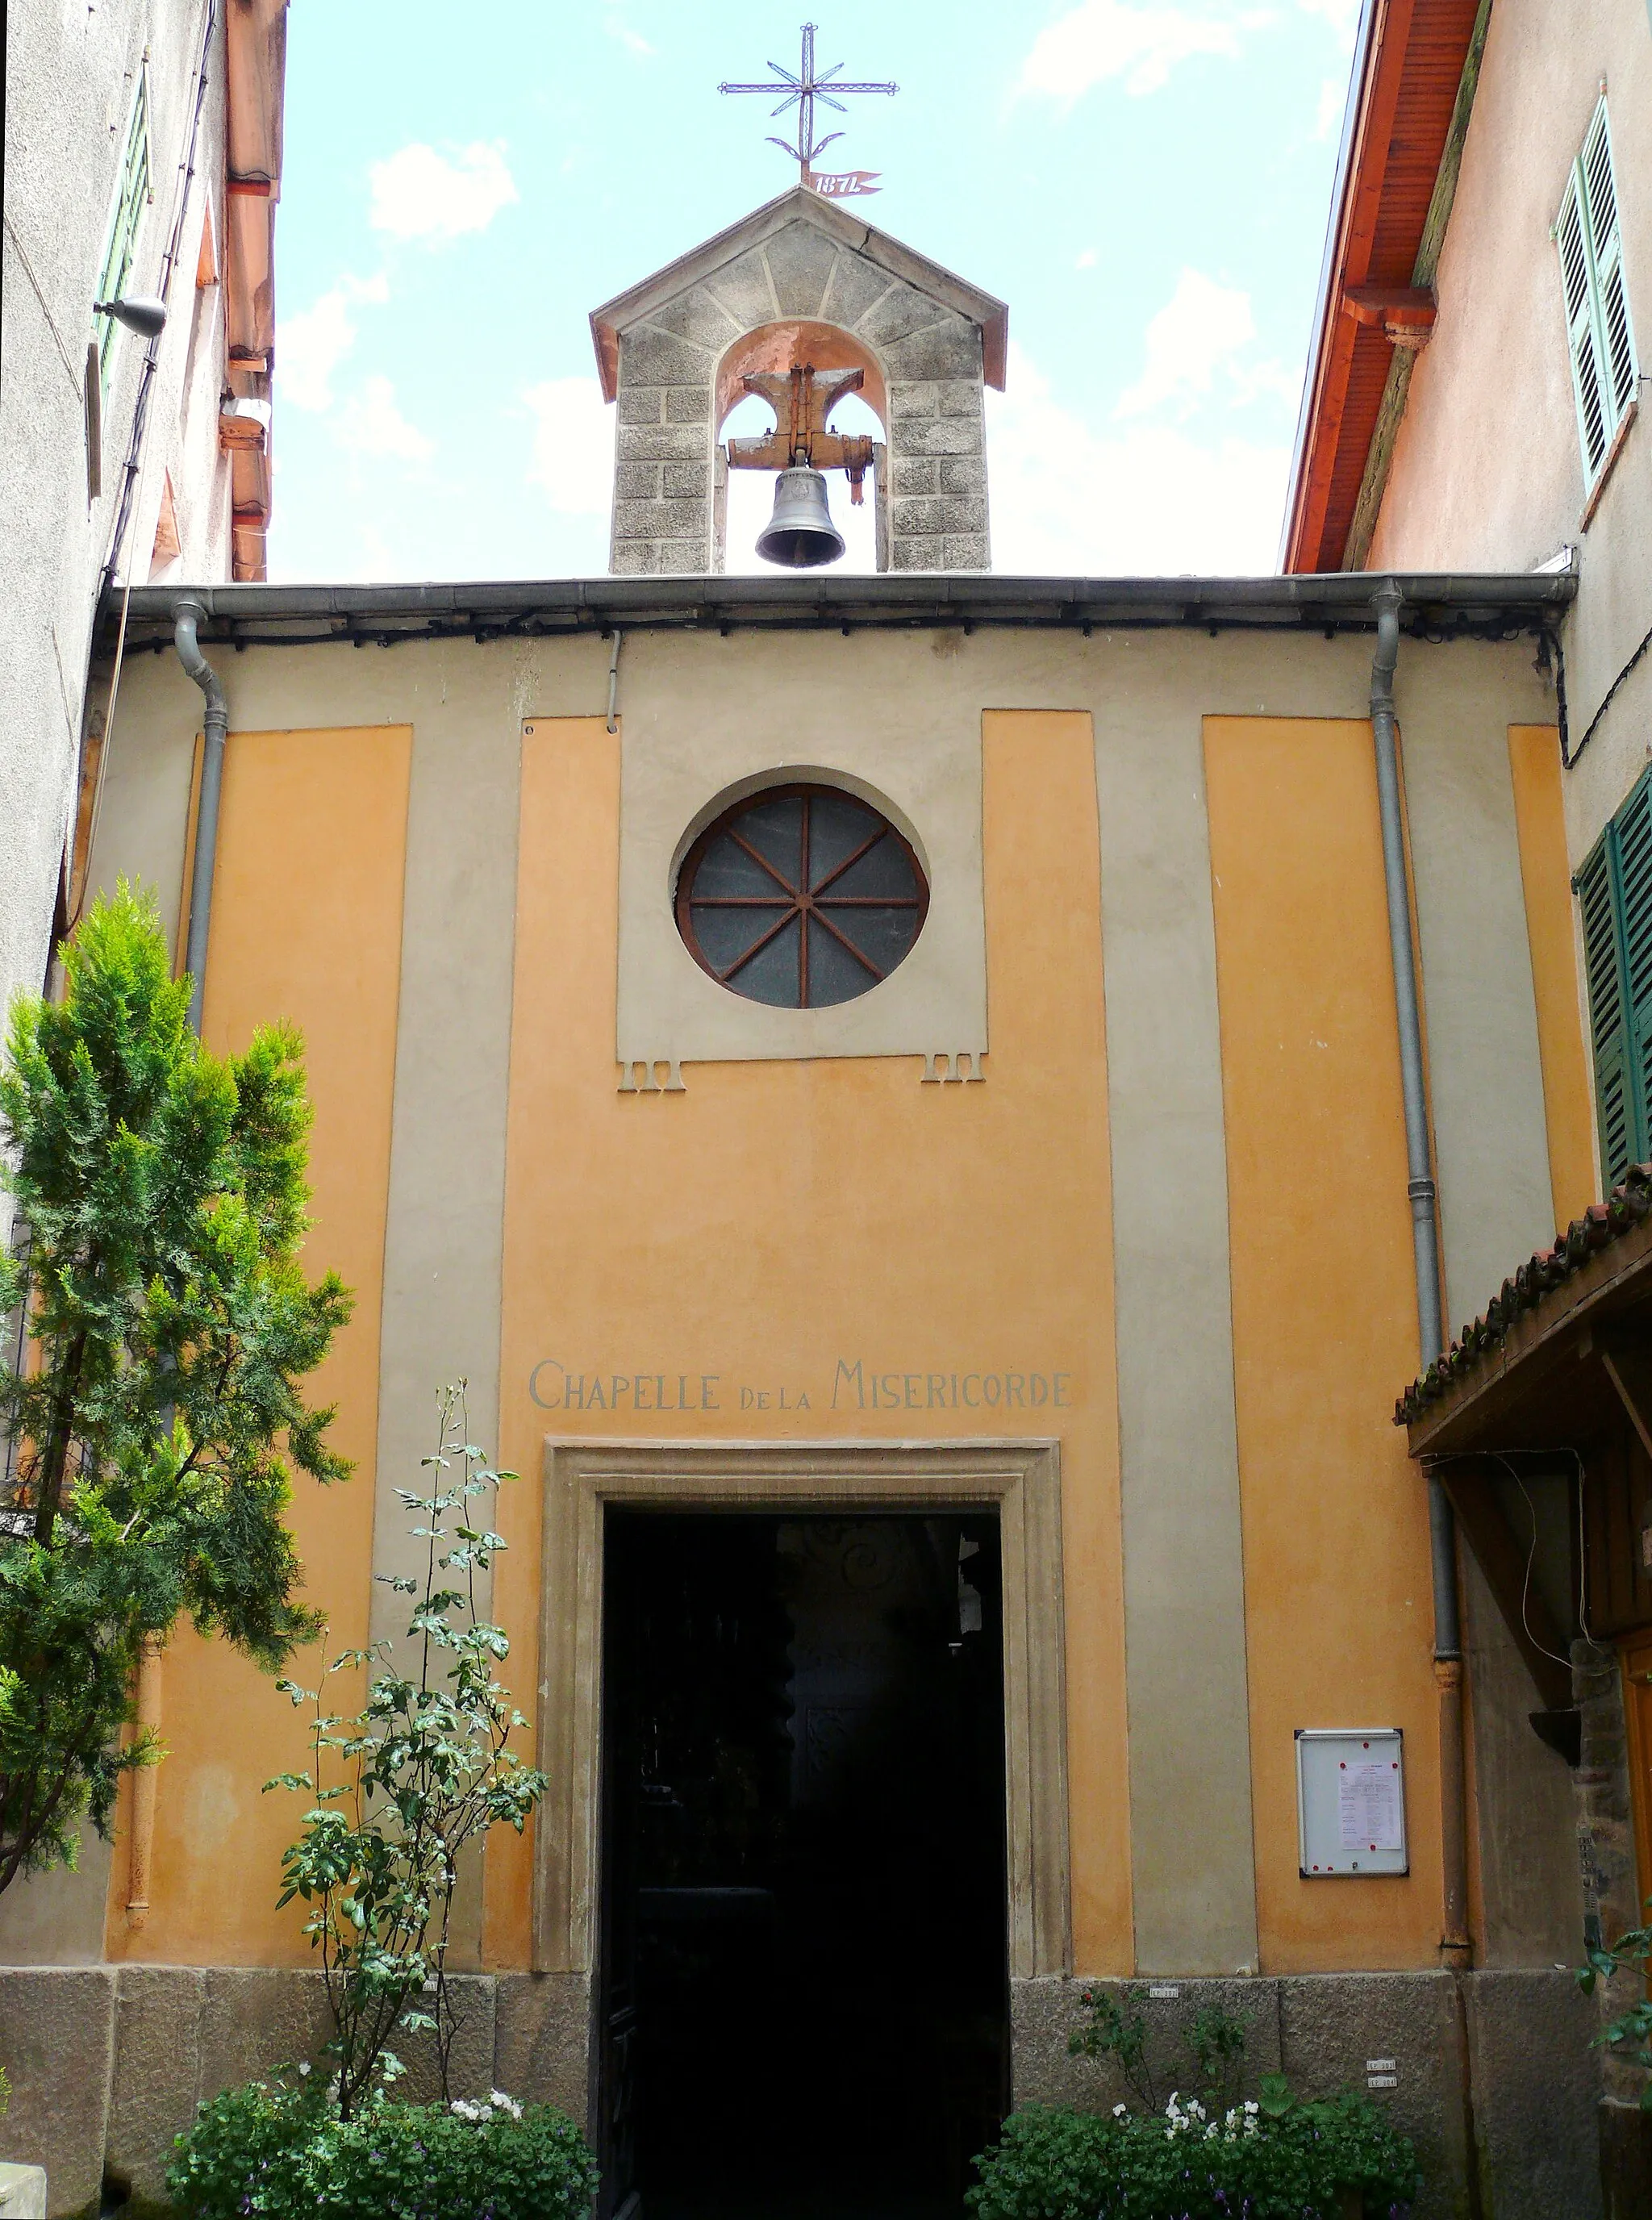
(153, 1441)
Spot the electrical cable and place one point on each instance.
(1605, 703)
(137, 461)
(1532, 1558)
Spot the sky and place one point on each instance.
(1146, 183)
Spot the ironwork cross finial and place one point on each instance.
(802, 92)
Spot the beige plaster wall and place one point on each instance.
(57, 1918)
(1486, 471)
(1184, 1584)
(910, 745)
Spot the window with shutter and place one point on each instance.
(1614, 892)
(133, 194)
(1599, 334)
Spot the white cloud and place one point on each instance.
(1102, 39)
(419, 194)
(1202, 326)
(633, 42)
(1269, 380)
(1343, 16)
(372, 423)
(1142, 41)
(311, 345)
(1333, 99)
(573, 444)
(1152, 501)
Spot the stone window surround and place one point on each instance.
(685, 877)
(933, 1005)
(1019, 1480)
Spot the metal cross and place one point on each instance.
(802, 92)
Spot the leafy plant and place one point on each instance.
(1216, 2041)
(1188, 2163)
(1631, 2034)
(282, 2152)
(162, 1188)
(1215, 2158)
(1213, 2041)
(1113, 2032)
(425, 1771)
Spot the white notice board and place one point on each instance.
(1350, 1800)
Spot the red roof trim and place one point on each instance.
(1408, 66)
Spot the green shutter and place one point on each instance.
(132, 196)
(1599, 336)
(1605, 1012)
(1572, 233)
(1615, 893)
(1615, 334)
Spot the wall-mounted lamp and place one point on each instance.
(142, 313)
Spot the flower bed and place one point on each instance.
(281, 2153)
(1282, 2161)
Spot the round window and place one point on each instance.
(800, 896)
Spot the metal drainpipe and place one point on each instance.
(1454, 1946)
(186, 615)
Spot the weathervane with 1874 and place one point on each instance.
(802, 92)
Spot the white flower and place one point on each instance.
(1118, 2111)
(304, 2070)
(1252, 2106)
(505, 2103)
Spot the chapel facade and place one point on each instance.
(889, 1090)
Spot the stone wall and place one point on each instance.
(664, 505)
(1611, 1891)
(1494, 2070)
(108, 2063)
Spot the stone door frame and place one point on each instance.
(1019, 1480)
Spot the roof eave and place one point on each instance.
(1308, 412)
(490, 609)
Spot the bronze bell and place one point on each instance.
(800, 533)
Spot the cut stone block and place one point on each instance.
(22, 2192)
(800, 263)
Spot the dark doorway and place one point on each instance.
(803, 2008)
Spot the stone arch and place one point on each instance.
(781, 346)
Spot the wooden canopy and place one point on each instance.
(1556, 1376)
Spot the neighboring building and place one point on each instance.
(142, 157)
(1473, 401)
(1475, 390)
(911, 1061)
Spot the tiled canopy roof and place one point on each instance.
(1601, 1224)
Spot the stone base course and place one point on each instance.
(108, 2063)
(1529, 2116)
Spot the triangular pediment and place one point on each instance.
(785, 259)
